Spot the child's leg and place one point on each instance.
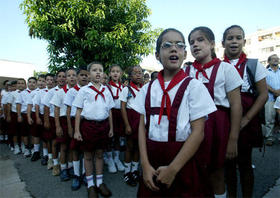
(231, 177)
(16, 145)
(64, 176)
(218, 182)
(99, 166)
(76, 162)
(89, 168)
(117, 160)
(128, 155)
(56, 168)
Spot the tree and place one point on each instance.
(81, 31)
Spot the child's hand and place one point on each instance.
(39, 121)
(128, 130)
(231, 149)
(59, 132)
(244, 122)
(111, 133)
(148, 174)
(78, 136)
(29, 120)
(70, 132)
(165, 175)
(9, 119)
(19, 118)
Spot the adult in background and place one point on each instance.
(273, 83)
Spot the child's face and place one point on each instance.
(137, 75)
(200, 46)
(61, 79)
(21, 85)
(104, 79)
(83, 77)
(115, 73)
(41, 82)
(172, 56)
(96, 72)
(71, 77)
(32, 84)
(50, 82)
(234, 42)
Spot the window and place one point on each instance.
(265, 37)
(268, 49)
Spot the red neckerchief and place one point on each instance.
(165, 97)
(242, 59)
(135, 86)
(77, 87)
(28, 90)
(98, 92)
(65, 88)
(46, 90)
(119, 87)
(201, 68)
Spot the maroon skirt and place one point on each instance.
(118, 123)
(24, 127)
(95, 134)
(188, 181)
(133, 119)
(65, 137)
(13, 126)
(49, 134)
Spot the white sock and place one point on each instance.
(45, 151)
(127, 167)
(63, 167)
(36, 147)
(117, 155)
(1, 137)
(90, 181)
(6, 137)
(16, 146)
(99, 180)
(55, 162)
(134, 166)
(122, 141)
(84, 170)
(109, 155)
(70, 164)
(50, 156)
(76, 168)
(221, 196)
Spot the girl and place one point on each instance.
(131, 121)
(115, 87)
(222, 82)
(174, 107)
(233, 42)
(94, 103)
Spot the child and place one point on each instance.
(222, 82)
(22, 103)
(34, 128)
(49, 123)
(233, 42)
(62, 136)
(154, 75)
(94, 103)
(39, 112)
(115, 87)
(174, 107)
(131, 121)
(82, 77)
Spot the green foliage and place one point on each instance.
(36, 74)
(81, 31)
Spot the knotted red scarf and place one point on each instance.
(201, 68)
(98, 92)
(242, 59)
(119, 87)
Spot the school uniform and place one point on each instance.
(219, 78)
(96, 105)
(50, 134)
(58, 101)
(118, 123)
(167, 130)
(4, 99)
(13, 126)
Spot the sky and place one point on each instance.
(184, 15)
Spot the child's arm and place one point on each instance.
(166, 174)
(69, 124)
(258, 104)
(9, 107)
(148, 171)
(58, 129)
(235, 120)
(19, 117)
(46, 117)
(29, 119)
(111, 132)
(37, 114)
(77, 134)
(128, 129)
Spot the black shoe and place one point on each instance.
(64, 176)
(71, 172)
(35, 156)
(129, 180)
(76, 183)
(135, 176)
(104, 190)
(44, 160)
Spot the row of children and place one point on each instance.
(188, 123)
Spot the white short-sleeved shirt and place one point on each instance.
(117, 101)
(196, 103)
(4, 98)
(4, 94)
(39, 98)
(227, 79)
(127, 97)
(58, 100)
(46, 100)
(31, 99)
(259, 75)
(24, 99)
(70, 97)
(277, 103)
(12, 100)
(97, 110)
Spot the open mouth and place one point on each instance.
(173, 58)
(233, 48)
(196, 51)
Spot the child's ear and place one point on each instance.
(157, 56)
(223, 44)
(185, 54)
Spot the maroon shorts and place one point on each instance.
(133, 119)
(4, 125)
(74, 144)
(35, 130)
(24, 127)
(118, 124)
(188, 181)
(65, 137)
(49, 134)
(94, 134)
(13, 126)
